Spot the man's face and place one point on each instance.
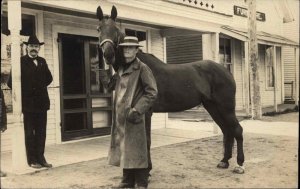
(130, 52)
(33, 49)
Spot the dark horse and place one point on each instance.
(183, 86)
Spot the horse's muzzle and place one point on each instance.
(108, 52)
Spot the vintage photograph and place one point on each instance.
(162, 94)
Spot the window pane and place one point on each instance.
(75, 121)
(269, 66)
(141, 35)
(225, 53)
(102, 119)
(101, 102)
(74, 103)
(28, 24)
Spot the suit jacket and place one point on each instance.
(3, 124)
(34, 82)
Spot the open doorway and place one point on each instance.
(86, 107)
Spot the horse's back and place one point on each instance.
(183, 86)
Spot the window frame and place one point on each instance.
(225, 63)
(141, 29)
(269, 65)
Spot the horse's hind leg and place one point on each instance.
(236, 131)
(228, 142)
(240, 151)
(228, 137)
(225, 117)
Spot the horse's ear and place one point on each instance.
(114, 13)
(99, 13)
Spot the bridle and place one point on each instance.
(107, 40)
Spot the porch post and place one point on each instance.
(215, 57)
(19, 160)
(165, 60)
(282, 75)
(297, 76)
(275, 78)
(247, 77)
(215, 47)
(206, 44)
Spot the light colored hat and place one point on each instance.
(130, 41)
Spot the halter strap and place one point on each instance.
(106, 40)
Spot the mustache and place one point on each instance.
(34, 51)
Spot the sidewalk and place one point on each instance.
(178, 131)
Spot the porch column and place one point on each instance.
(247, 78)
(206, 44)
(215, 47)
(165, 61)
(282, 75)
(215, 57)
(297, 76)
(19, 160)
(275, 77)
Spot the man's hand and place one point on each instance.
(3, 129)
(134, 116)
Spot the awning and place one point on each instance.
(262, 37)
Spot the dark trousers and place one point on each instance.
(148, 116)
(135, 176)
(35, 136)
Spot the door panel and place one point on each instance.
(101, 99)
(85, 106)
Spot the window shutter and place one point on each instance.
(184, 49)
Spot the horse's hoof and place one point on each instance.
(223, 165)
(239, 170)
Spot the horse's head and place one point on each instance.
(109, 36)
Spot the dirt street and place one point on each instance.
(271, 162)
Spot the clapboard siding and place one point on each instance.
(184, 49)
(157, 49)
(157, 44)
(289, 71)
(291, 31)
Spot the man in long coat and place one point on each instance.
(35, 77)
(135, 91)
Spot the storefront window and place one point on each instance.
(269, 66)
(225, 53)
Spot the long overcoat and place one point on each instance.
(135, 88)
(34, 82)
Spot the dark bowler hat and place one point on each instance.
(33, 40)
(130, 41)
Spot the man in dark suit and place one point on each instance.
(35, 77)
(3, 122)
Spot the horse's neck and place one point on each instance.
(119, 58)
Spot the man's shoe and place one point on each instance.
(36, 165)
(149, 177)
(125, 185)
(46, 165)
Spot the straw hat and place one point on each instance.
(130, 41)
